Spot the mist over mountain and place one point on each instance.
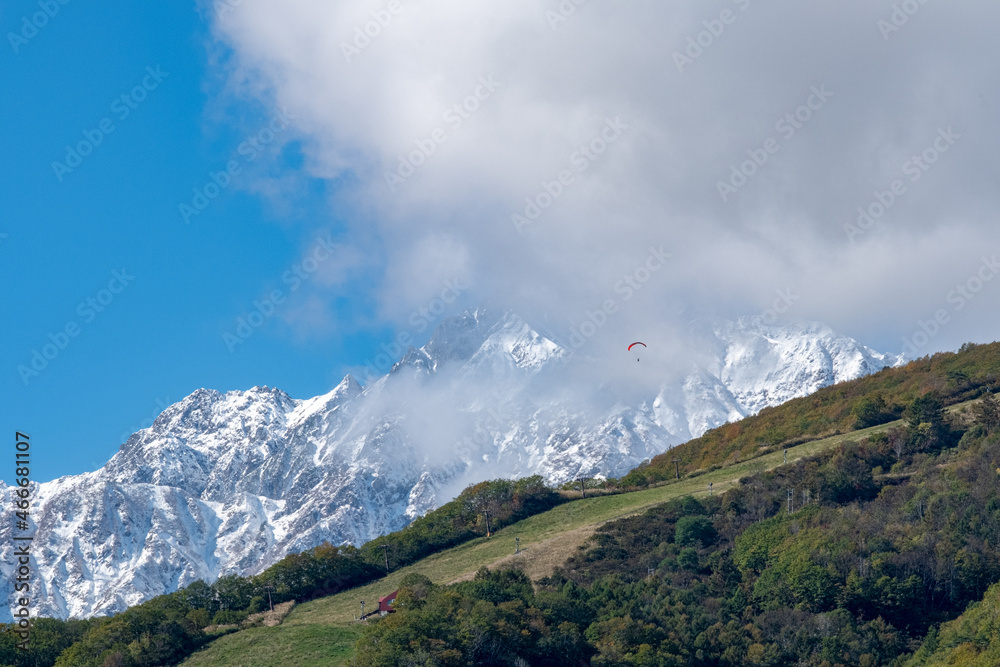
(231, 482)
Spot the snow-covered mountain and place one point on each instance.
(232, 482)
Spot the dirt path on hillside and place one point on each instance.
(541, 558)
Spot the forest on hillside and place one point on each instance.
(851, 558)
(166, 629)
(865, 555)
(868, 401)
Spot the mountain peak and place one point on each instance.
(513, 342)
(349, 386)
(459, 337)
(233, 482)
(415, 359)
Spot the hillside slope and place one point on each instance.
(971, 640)
(547, 540)
(955, 377)
(846, 558)
(913, 462)
(230, 483)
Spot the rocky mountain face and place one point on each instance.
(232, 482)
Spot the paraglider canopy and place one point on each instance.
(633, 345)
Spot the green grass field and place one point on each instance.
(302, 645)
(322, 632)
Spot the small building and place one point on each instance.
(384, 603)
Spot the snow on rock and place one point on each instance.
(231, 482)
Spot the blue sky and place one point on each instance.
(181, 286)
(272, 194)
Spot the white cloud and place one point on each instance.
(657, 183)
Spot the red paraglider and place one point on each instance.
(633, 345)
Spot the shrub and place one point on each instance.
(691, 529)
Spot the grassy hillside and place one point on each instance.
(463, 519)
(168, 628)
(539, 534)
(445, 551)
(955, 377)
(845, 558)
(547, 540)
(302, 645)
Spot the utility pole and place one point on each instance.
(786, 456)
(486, 513)
(710, 489)
(362, 610)
(385, 550)
(789, 501)
(583, 486)
(677, 468)
(269, 588)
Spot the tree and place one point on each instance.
(691, 529)
(233, 592)
(926, 423)
(498, 586)
(897, 442)
(987, 411)
(199, 595)
(200, 617)
(872, 411)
